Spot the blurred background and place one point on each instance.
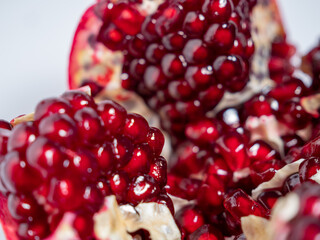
(36, 36)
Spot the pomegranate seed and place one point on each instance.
(291, 141)
(111, 36)
(190, 218)
(137, 45)
(78, 99)
(211, 197)
(218, 11)
(230, 71)
(291, 183)
(64, 194)
(4, 137)
(113, 116)
(119, 183)
(59, 128)
(89, 124)
(17, 176)
(199, 77)
(136, 128)
(269, 198)
(195, 51)
(51, 106)
(46, 155)
(104, 156)
(5, 125)
(233, 149)
(239, 204)
(158, 170)
(218, 168)
(23, 208)
(264, 171)
(143, 188)
(186, 188)
(140, 161)
(36, 230)
(169, 19)
(126, 18)
(174, 41)
(155, 52)
(194, 24)
(293, 115)
(22, 136)
(188, 158)
(220, 37)
(203, 132)
(260, 151)
(83, 224)
(206, 232)
(155, 140)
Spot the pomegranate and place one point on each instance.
(77, 162)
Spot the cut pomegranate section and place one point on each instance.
(74, 155)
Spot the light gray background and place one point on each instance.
(35, 37)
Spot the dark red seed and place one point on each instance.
(140, 161)
(143, 188)
(269, 198)
(218, 11)
(136, 128)
(119, 182)
(190, 218)
(78, 99)
(5, 124)
(155, 140)
(17, 176)
(23, 208)
(206, 232)
(220, 37)
(89, 124)
(45, 155)
(113, 116)
(158, 170)
(199, 77)
(194, 24)
(59, 128)
(22, 136)
(51, 106)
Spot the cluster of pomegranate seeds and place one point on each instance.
(74, 154)
(182, 58)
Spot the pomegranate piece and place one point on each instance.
(70, 158)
